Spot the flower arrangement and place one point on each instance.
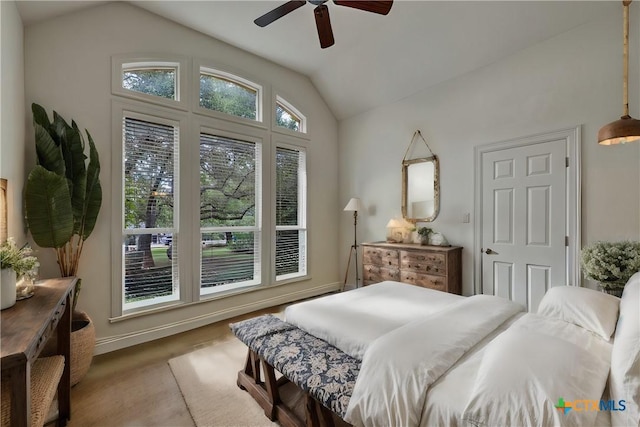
(20, 260)
(611, 263)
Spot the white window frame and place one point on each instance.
(227, 73)
(160, 115)
(297, 144)
(122, 63)
(191, 119)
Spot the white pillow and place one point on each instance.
(587, 308)
(624, 382)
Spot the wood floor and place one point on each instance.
(135, 386)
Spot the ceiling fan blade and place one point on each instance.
(323, 23)
(380, 7)
(278, 13)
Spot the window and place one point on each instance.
(291, 232)
(229, 94)
(288, 117)
(229, 213)
(150, 173)
(152, 81)
(188, 183)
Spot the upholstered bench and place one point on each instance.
(322, 371)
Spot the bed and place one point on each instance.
(431, 358)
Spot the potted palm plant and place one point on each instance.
(62, 201)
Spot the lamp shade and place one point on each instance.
(626, 129)
(354, 205)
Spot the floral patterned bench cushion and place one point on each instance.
(257, 327)
(319, 368)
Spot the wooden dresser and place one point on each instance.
(435, 267)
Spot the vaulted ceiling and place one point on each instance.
(376, 59)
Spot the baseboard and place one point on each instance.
(109, 344)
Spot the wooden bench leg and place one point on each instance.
(272, 388)
(310, 412)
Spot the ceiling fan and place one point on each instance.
(321, 12)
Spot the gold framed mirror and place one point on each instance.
(421, 189)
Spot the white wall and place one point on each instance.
(572, 79)
(12, 116)
(68, 69)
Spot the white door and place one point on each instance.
(524, 221)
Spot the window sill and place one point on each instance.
(205, 299)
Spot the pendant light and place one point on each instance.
(627, 129)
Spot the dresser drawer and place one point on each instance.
(381, 256)
(421, 262)
(425, 280)
(373, 273)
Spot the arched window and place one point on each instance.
(289, 117)
(229, 94)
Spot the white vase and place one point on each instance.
(7, 287)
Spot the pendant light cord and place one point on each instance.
(625, 55)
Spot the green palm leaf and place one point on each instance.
(48, 208)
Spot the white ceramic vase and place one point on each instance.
(7, 288)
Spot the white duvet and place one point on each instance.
(529, 367)
(399, 367)
(432, 358)
(351, 320)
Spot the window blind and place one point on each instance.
(150, 171)
(229, 211)
(290, 256)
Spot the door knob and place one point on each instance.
(489, 251)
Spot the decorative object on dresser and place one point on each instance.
(434, 267)
(420, 184)
(63, 196)
(354, 206)
(399, 230)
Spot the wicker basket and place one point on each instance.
(45, 375)
(83, 342)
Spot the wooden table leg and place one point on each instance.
(64, 347)
(19, 378)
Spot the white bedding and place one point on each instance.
(528, 368)
(447, 398)
(399, 367)
(352, 320)
(398, 330)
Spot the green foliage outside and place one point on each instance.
(157, 82)
(227, 97)
(286, 120)
(227, 174)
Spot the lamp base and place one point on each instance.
(353, 253)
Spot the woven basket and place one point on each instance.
(45, 375)
(83, 342)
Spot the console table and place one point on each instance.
(26, 328)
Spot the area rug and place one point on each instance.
(207, 380)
